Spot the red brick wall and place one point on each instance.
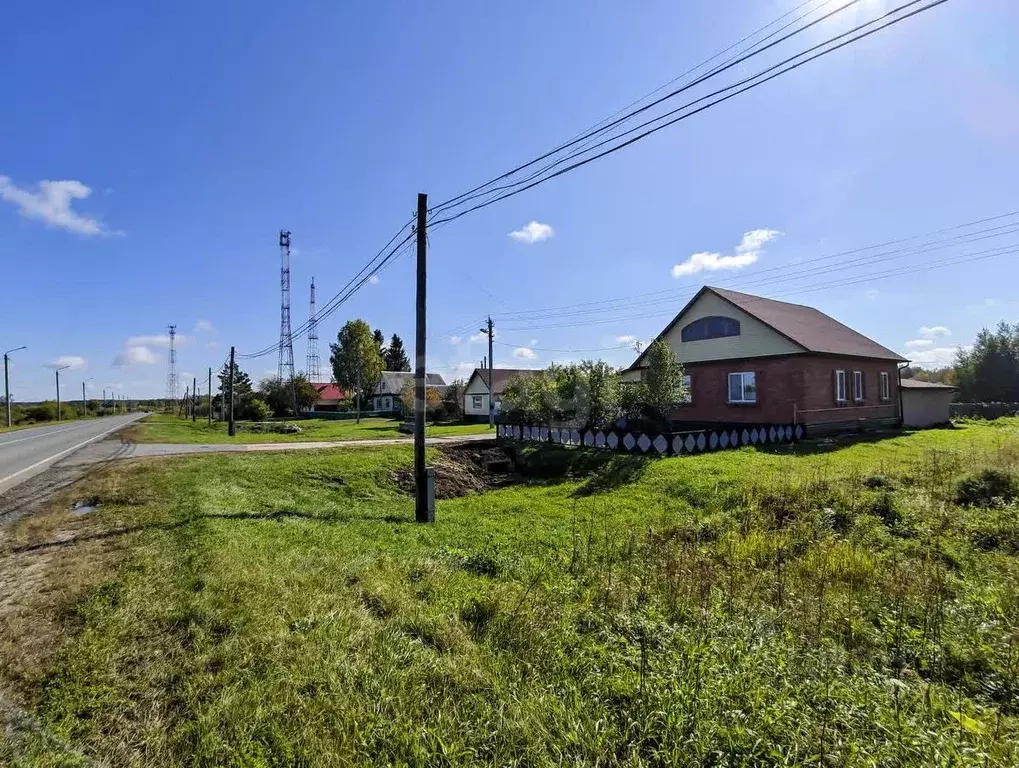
(788, 385)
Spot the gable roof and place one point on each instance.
(329, 392)
(393, 382)
(808, 328)
(500, 376)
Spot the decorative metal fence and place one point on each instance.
(654, 443)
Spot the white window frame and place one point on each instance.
(859, 387)
(840, 386)
(688, 386)
(478, 401)
(886, 386)
(743, 388)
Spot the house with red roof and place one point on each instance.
(329, 397)
(752, 360)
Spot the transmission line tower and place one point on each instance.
(312, 365)
(172, 384)
(286, 365)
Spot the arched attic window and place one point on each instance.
(712, 327)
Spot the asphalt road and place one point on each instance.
(27, 452)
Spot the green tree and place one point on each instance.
(433, 400)
(243, 390)
(661, 386)
(603, 392)
(453, 399)
(355, 358)
(531, 399)
(395, 356)
(280, 396)
(989, 371)
(380, 342)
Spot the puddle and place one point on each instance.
(86, 506)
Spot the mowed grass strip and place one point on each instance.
(827, 605)
(166, 428)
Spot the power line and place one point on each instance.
(476, 192)
(755, 279)
(898, 271)
(670, 295)
(748, 87)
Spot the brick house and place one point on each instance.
(749, 359)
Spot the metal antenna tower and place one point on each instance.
(172, 384)
(312, 365)
(286, 365)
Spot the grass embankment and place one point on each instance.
(796, 606)
(165, 428)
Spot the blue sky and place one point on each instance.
(187, 134)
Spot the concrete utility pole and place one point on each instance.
(209, 395)
(57, 373)
(489, 330)
(424, 498)
(230, 427)
(84, 400)
(7, 382)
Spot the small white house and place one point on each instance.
(476, 393)
(386, 395)
(925, 403)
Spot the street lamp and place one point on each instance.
(57, 372)
(7, 385)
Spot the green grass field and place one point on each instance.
(163, 428)
(812, 605)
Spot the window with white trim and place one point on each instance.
(687, 388)
(743, 387)
(858, 393)
(840, 386)
(886, 386)
(477, 401)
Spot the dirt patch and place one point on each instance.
(464, 468)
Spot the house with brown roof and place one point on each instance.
(748, 359)
(476, 393)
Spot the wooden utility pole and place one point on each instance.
(489, 330)
(357, 388)
(194, 399)
(230, 427)
(424, 504)
(209, 396)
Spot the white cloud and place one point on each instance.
(937, 357)
(455, 339)
(625, 339)
(533, 342)
(204, 325)
(373, 280)
(934, 331)
(482, 336)
(75, 362)
(919, 343)
(872, 294)
(534, 232)
(746, 253)
(135, 355)
(211, 344)
(52, 204)
(524, 353)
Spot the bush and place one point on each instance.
(985, 488)
(257, 410)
